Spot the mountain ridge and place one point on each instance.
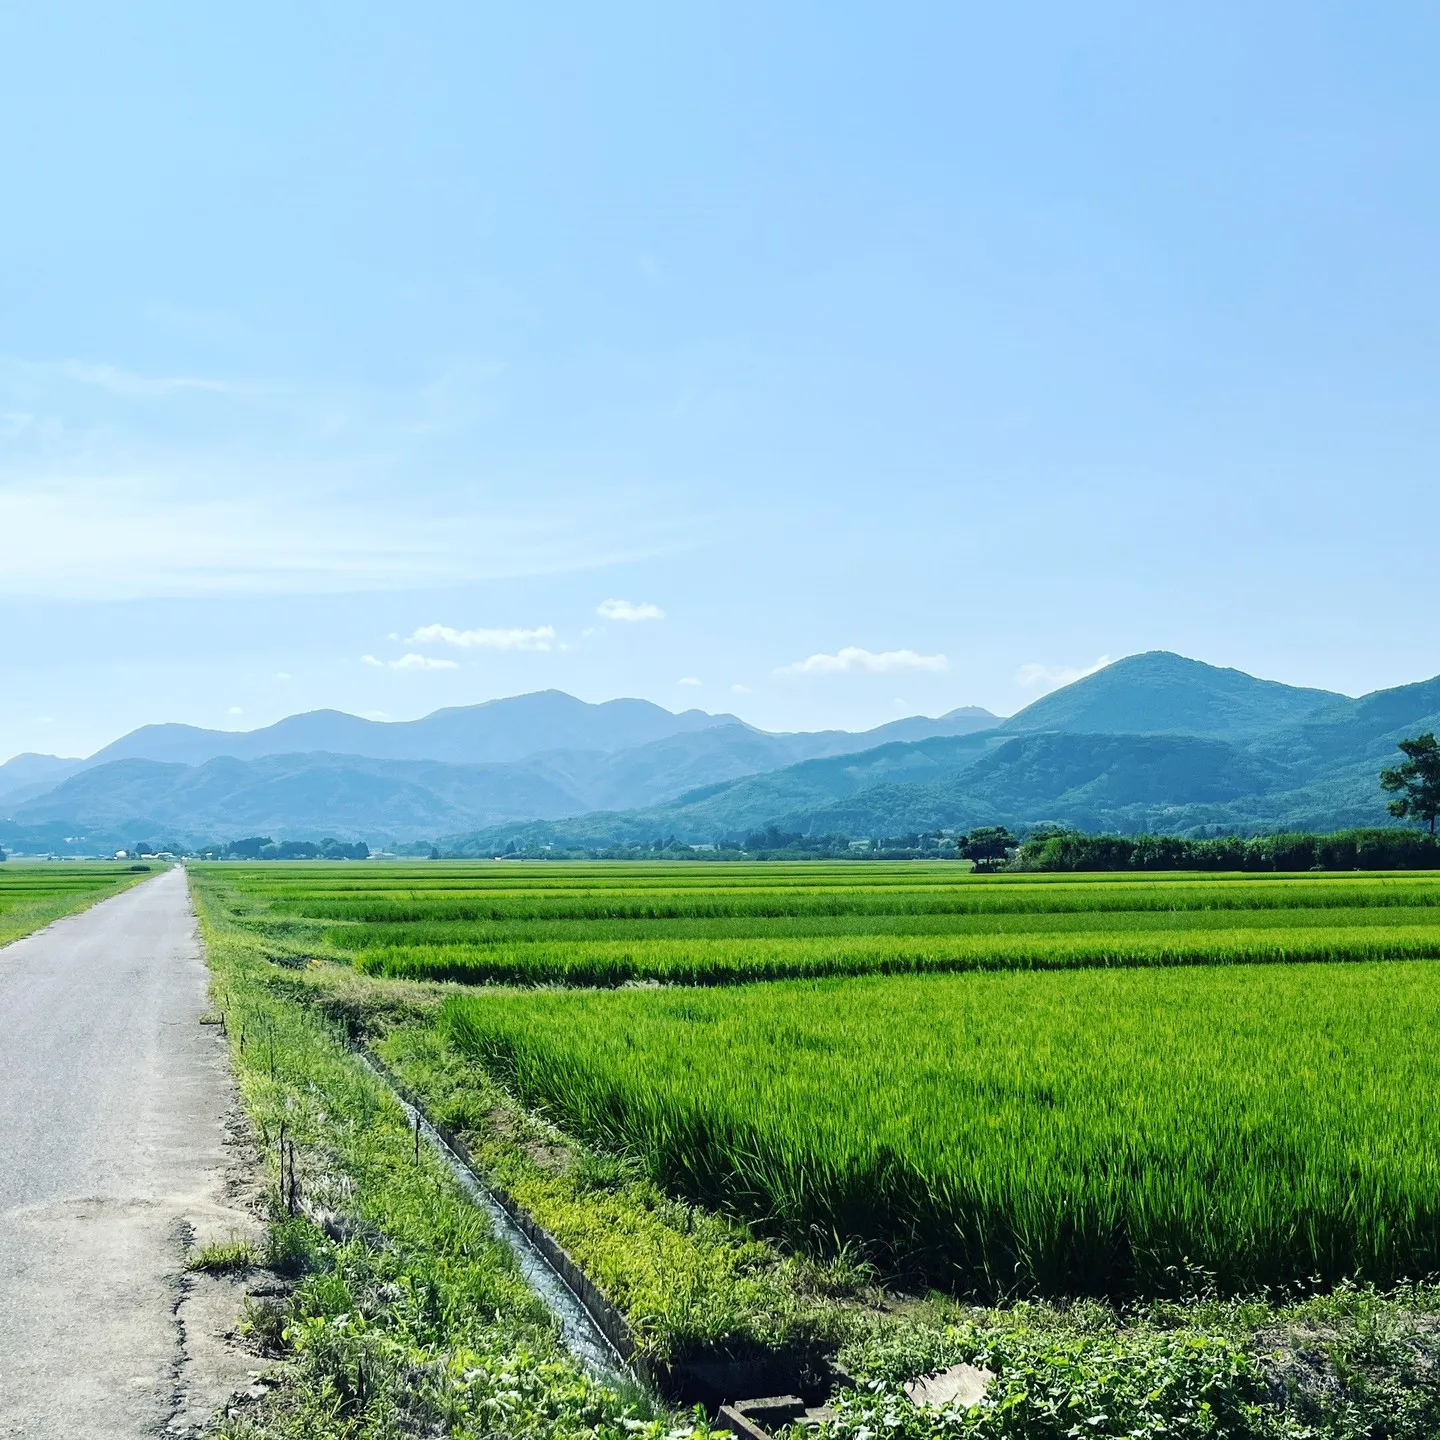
(300, 794)
(1317, 771)
(1240, 754)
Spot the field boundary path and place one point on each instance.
(114, 1107)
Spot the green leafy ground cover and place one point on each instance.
(1349, 1363)
(34, 894)
(1354, 1363)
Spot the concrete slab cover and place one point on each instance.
(959, 1385)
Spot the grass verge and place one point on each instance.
(406, 1316)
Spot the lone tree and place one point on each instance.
(986, 845)
(1416, 783)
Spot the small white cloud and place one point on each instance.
(852, 659)
(738, 689)
(234, 710)
(541, 638)
(371, 660)
(374, 714)
(1045, 678)
(689, 680)
(628, 611)
(282, 675)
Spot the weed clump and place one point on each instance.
(225, 1257)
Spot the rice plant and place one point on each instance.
(1084, 1132)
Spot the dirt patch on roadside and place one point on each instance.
(214, 1364)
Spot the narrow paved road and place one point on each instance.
(112, 1107)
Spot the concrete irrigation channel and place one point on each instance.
(593, 1329)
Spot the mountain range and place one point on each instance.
(1153, 742)
(526, 757)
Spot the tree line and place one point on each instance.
(1415, 783)
(1361, 849)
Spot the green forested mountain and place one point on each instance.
(1159, 693)
(1240, 755)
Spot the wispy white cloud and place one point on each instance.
(121, 484)
(1045, 678)
(851, 659)
(222, 529)
(689, 680)
(540, 638)
(628, 611)
(738, 689)
(119, 381)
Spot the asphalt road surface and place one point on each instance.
(113, 1101)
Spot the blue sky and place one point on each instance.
(900, 357)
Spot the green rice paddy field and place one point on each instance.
(33, 893)
(1000, 1084)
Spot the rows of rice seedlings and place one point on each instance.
(954, 894)
(743, 961)
(358, 935)
(597, 925)
(32, 895)
(1083, 1132)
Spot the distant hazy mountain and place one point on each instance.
(965, 721)
(347, 796)
(31, 774)
(314, 793)
(492, 733)
(1159, 693)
